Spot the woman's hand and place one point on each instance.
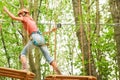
(5, 9)
(54, 29)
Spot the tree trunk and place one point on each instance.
(115, 11)
(5, 49)
(92, 68)
(21, 3)
(84, 41)
(97, 32)
(82, 38)
(37, 57)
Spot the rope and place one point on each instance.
(89, 31)
(55, 45)
(81, 31)
(109, 24)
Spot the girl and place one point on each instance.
(36, 38)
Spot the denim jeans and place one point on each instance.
(37, 40)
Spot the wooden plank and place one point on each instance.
(19, 74)
(63, 77)
(31, 76)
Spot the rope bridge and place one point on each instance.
(24, 75)
(63, 77)
(19, 74)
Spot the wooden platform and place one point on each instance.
(18, 74)
(62, 77)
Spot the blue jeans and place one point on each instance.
(37, 40)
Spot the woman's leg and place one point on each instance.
(39, 41)
(55, 67)
(49, 59)
(29, 46)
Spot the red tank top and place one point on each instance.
(29, 25)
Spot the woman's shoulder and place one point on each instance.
(26, 18)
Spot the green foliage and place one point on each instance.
(68, 52)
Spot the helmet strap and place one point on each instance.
(24, 14)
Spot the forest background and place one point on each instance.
(88, 42)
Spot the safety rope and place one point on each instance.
(81, 31)
(89, 48)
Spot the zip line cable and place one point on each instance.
(47, 23)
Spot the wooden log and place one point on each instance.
(19, 74)
(63, 77)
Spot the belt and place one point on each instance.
(36, 32)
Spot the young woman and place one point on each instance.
(36, 38)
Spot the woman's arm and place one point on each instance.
(11, 15)
(54, 29)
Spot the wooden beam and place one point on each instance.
(63, 77)
(19, 74)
